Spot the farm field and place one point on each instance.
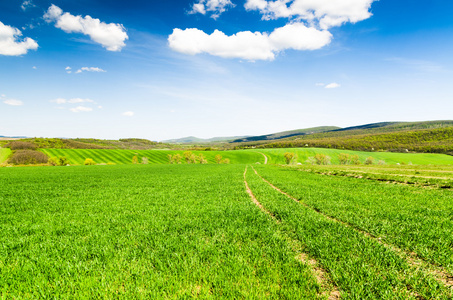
(275, 156)
(4, 153)
(78, 156)
(221, 232)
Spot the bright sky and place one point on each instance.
(169, 69)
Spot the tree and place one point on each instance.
(322, 159)
(177, 158)
(202, 159)
(288, 157)
(355, 159)
(63, 161)
(135, 160)
(218, 158)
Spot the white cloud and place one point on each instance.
(68, 68)
(81, 109)
(324, 13)
(332, 85)
(72, 101)
(249, 45)
(27, 4)
(34, 68)
(128, 113)
(90, 69)
(9, 43)
(215, 7)
(13, 102)
(111, 36)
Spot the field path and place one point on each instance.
(437, 271)
(265, 157)
(320, 274)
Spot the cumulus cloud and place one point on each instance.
(332, 85)
(81, 109)
(13, 102)
(11, 45)
(27, 4)
(324, 13)
(128, 113)
(90, 69)
(111, 36)
(214, 7)
(249, 45)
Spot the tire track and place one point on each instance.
(439, 273)
(319, 273)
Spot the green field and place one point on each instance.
(78, 156)
(275, 156)
(4, 153)
(193, 231)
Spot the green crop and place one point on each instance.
(415, 219)
(141, 232)
(78, 156)
(276, 156)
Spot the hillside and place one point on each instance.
(286, 134)
(195, 140)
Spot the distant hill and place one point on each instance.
(195, 140)
(286, 134)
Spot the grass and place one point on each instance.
(4, 154)
(78, 156)
(415, 219)
(141, 232)
(275, 156)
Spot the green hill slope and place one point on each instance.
(78, 156)
(286, 134)
(4, 153)
(276, 156)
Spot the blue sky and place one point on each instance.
(168, 69)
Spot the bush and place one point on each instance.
(218, 158)
(344, 158)
(53, 161)
(202, 159)
(288, 157)
(135, 160)
(63, 161)
(89, 162)
(28, 157)
(19, 145)
(225, 161)
(369, 160)
(322, 159)
(145, 160)
(355, 159)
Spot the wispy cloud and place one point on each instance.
(81, 109)
(27, 4)
(332, 85)
(90, 69)
(13, 102)
(128, 113)
(213, 7)
(418, 64)
(72, 101)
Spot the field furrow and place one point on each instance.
(361, 267)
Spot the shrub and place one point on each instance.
(288, 157)
(225, 161)
(355, 159)
(63, 161)
(28, 157)
(19, 145)
(202, 159)
(311, 160)
(145, 160)
(369, 160)
(188, 156)
(218, 158)
(344, 158)
(89, 162)
(135, 160)
(53, 161)
(322, 159)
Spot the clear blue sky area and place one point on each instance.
(168, 69)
